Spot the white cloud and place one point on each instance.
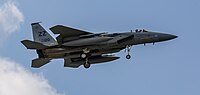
(10, 19)
(15, 80)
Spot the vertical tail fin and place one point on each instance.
(40, 35)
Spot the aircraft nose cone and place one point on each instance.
(171, 36)
(165, 37)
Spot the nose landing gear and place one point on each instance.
(128, 47)
(128, 56)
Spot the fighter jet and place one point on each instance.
(78, 47)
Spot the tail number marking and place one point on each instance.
(45, 40)
(43, 33)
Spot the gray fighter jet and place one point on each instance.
(79, 47)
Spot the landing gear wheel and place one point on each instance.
(128, 56)
(83, 55)
(86, 65)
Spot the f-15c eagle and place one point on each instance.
(79, 47)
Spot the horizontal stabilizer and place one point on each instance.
(33, 45)
(39, 62)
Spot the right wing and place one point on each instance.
(67, 32)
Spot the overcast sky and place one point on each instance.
(166, 68)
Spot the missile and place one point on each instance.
(87, 41)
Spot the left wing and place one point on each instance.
(65, 31)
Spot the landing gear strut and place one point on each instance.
(85, 55)
(86, 64)
(128, 47)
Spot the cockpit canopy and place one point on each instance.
(141, 30)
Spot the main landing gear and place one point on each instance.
(85, 55)
(86, 64)
(128, 47)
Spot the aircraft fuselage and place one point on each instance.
(78, 47)
(110, 43)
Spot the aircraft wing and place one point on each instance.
(33, 45)
(65, 31)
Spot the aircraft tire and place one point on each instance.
(128, 56)
(86, 65)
